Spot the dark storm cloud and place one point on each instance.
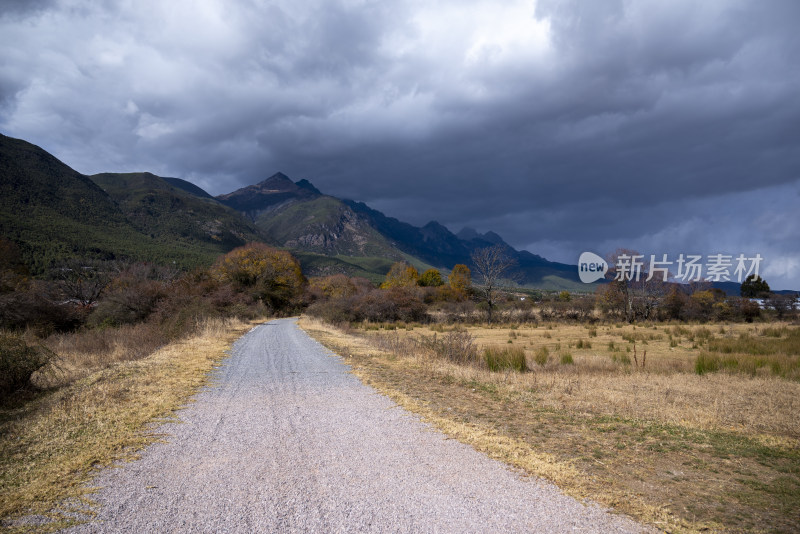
(545, 122)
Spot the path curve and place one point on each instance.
(286, 440)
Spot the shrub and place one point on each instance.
(566, 359)
(498, 358)
(334, 311)
(541, 356)
(36, 309)
(18, 362)
(457, 346)
(334, 286)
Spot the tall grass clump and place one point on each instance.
(501, 358)
(457, 346)
(706, 363)
(541, 356)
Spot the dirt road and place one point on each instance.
(286, 440)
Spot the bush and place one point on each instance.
(457, 346)
(38, 310)
(566, 359)
(500, 358)
(18, 362)
(541, 356)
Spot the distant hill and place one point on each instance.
(299, 217)
(189, 187)
(54, 213)
(436, 245)
(159, 209)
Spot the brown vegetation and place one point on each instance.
(646, 435)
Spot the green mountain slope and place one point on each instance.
(158, 209)
(54, 213)
(324, 225)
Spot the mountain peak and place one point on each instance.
(305, 184)
(277, 183)
(274, 191)
(494, 238)
(468, 234)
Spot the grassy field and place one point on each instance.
(108, 396)
(684, 427)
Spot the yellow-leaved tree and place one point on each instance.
(270, 275)
(401, 275)
(460, 278)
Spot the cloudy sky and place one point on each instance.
(666, 126)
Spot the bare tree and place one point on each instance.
(83, 281)
(634, 292)
(492, 264)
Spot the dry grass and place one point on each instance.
(50, 446)
(83, 353)
(673, 448)
(666, 389)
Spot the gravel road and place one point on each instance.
(286, 440)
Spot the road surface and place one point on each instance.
(286, 440)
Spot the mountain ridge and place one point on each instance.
(147, 217)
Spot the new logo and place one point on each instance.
(591, 267)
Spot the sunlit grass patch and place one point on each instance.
(51, 445)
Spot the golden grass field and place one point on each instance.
(648, 435)
(102, 413)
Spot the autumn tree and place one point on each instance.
(401, 275)
(460, 278)
(492, 264)
(431, 278)
(270, 275)
(334, 286)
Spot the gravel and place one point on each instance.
(286, 440)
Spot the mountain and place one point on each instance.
(189, 187)
(167, 208)
(326, 234)
(54, 213)
(320, 228)
(436, 245)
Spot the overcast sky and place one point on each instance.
(667, 126)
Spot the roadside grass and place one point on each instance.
(53, 442)
(676, 449)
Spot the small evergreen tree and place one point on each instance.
(754, 286)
